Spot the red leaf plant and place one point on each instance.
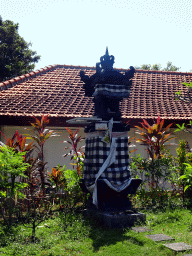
(76, 153)
(154, 137)
(41, 134)
(19, 144)
(57, 177)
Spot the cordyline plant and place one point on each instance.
(40, 203)
(57, 177)
(40, 137)
(18, 142)
(76, 153)
(154, 138)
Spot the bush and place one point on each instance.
(12, 168)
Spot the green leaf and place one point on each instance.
(180, 127)
(188, 84)
(186, 187)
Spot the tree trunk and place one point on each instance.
(33, 232)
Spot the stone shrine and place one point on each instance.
(107, 174)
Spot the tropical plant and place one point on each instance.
(40, 137)
(184, 127)
(75, 197)
(19, 144)
(183, 156)
(12, 168)
(40, 208)
(57, 177)
(39, 201)
(75, 153)
(187, 177)
(152, 172)
(154, 138)
(69, 181)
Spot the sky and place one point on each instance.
(76, 32)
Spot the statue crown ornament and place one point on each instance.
(106, 61)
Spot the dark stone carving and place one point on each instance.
(107, 106)
(106, 75)
(109, 199)
(108, 87)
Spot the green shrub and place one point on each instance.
(187, 177)
(12, 168)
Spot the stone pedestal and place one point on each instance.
(116, 219)
(114, 209)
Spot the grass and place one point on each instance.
(74, 235)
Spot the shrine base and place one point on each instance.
(115, 219)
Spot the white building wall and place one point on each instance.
(54, 148)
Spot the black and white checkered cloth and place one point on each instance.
(97, 151)
(111, 90)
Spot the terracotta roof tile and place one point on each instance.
(58, 91)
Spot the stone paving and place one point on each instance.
(177, 247)
(160, 237)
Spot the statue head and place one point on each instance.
(107, 61)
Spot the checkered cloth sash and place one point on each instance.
(111, 90)
(97, 151)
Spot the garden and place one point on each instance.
(41, 212)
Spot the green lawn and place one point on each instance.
(77, 236)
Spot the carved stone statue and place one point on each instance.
(108, 87)
(107, 174)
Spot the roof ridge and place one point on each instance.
(76, 66)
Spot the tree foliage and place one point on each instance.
(169, 67)
(15, 56)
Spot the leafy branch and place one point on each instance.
(188, 98)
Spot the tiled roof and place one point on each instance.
(57, 90)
